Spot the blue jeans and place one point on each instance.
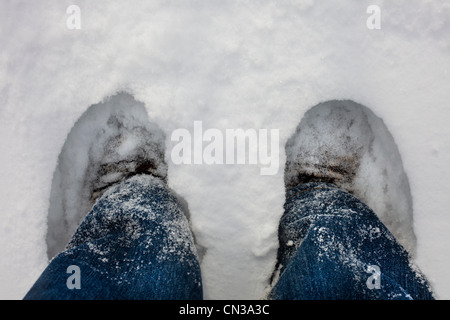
(135, 243)
(334, 247)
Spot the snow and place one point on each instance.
(108, 140)
(342, 136)
(230, 64)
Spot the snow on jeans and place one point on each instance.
(136, 243)
(332, 246)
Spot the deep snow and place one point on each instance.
(111, 140)
(346, 143)
(231, 64)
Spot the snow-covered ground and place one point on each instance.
(230, 64)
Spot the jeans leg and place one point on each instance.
(332, 246)
(135, 243)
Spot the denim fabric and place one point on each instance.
(135, 243)
(332, 247)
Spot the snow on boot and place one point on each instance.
(344, 143)
(112, 140)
